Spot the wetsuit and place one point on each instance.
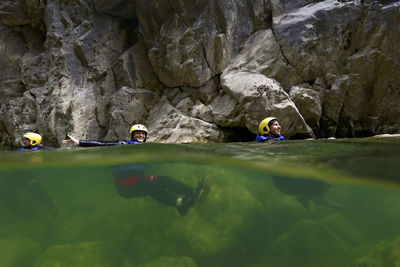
(267, 138)
(34, 148)
(131, 181)
(90, 143)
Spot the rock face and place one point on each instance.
(198, 71)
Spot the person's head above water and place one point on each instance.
(31, 139)
(270, 126)
(138, 132)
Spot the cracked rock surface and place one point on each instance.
(198, 71)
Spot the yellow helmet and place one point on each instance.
(34, 138)
(263, 127)
(137, 127)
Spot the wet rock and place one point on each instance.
(18, 252)
(119, 8)
(302, 244)
(386, 253)
(202, 112)
(171, 262)
(261, 53)
(168, 124)
(345, 230)
(309, 104)
(258, 97)
(81, 254)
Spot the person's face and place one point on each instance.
(26, 142)
(275, 128)
(139, 136)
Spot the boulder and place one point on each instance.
(309, 104)
(309, 243)
(385, 253)
(81, 254)
(168, 124)
(170, 262)
(18, 252)
(259, 97)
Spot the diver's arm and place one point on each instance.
(90, 143)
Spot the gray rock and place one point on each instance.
(202, 112)
(119, 8)
(259, 97)
(65, 64)
(309, 104)
(262, 54)
(167, 124)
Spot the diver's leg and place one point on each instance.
(138, 187)
(160, 194)
(200, 192)
(187, 196)
(170, 192)
(173, 185)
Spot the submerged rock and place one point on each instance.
(81, 254)
(170, 262)
(18, 252)
(309, 243)
(386, 253)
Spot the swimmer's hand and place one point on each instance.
(71, 141)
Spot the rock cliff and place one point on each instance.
(198, 71)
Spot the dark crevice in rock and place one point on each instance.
(348, 39)
(387, 2)
(341, 129)
(300, 136)
(280, 48)
(206, 60)
(356, 44)
(103, 130)
(33, 37)
(153, 71)
(32, 95)
(174, 9)
(217, 80)
(220, 19)
(237, 134)
(130, 27)
(266, 23)
(310, 81)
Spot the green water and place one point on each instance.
(292, 203)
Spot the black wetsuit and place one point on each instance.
(90, 143)
(131, 181)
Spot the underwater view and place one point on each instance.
(289, 203)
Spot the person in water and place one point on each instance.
(32, 142)
(137, 134)
(269, 130)
(131, 181)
